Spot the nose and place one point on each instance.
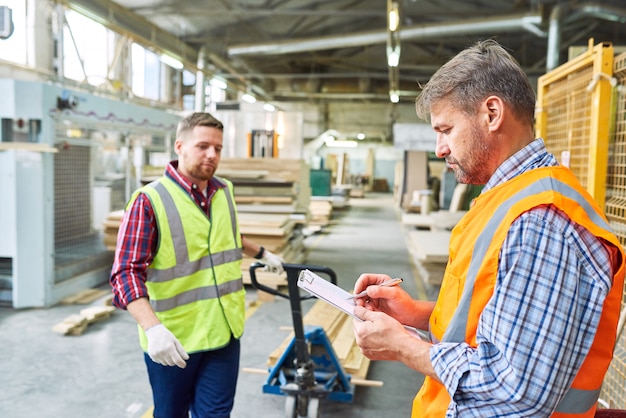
(211, 152)
(441, 147)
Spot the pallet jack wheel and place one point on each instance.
(292, 407)
(314, 408)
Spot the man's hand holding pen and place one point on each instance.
(391, 300)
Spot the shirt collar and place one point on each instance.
(532, 156)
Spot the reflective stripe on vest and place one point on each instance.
(185, 267)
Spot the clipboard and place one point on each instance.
(328, 292)
(340, 299)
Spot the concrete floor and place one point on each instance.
(101, 373)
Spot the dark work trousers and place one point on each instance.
(206, 387)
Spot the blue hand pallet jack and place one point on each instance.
(308, 370)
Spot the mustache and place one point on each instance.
(451, 160)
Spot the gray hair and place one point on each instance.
(197, 119)
(477, 72)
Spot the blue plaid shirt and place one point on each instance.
(536, 330)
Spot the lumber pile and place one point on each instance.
(272, 197)
(338, 328)
(76, 324)
(110, 227)
(321, 212)
(430, 253)
(283, 184)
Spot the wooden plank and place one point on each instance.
(439, 220)
(27, 146)
(355, 380)
(264, 219)
(356, 364)
(273, 243)
(74, 324)
(344, 340)
(267, 231)
(430, 246)
(241, 174)
(266, 208)
(96, 313)
(84, 296)
(264, 200)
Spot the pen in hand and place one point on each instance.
(388, 283)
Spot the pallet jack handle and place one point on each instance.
(294, 296)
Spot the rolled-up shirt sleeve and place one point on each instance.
(136, 241)
(537, 328)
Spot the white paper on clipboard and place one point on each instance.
(327, 291)
(340, 299)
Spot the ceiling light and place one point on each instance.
(171, 61)
(247, 97)
(360, 136)
(268, 107)
(219, 83)
(394, 97)
(393, 17)
(393, 57)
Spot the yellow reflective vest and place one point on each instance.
(470, 277)
(194, 281)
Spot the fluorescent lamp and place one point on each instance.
(248, 98)
(393, 57)
(268, 107)
(394, 17)
(171, 61)
(360, 136)
(216, 82)
(343, 144)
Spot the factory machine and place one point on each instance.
(67, 160)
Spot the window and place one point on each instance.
(146, 73)
(85, 40)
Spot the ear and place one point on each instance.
(494, 112)
(178, 143)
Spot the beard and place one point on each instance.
(201, 172)
(474, 168)
(196, 169)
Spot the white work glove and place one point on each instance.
(272, 262)
(164, 348)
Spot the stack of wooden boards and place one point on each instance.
(321, 213)
(110, 227)
(338, 328)
(75, 324)
(430, 253)
(273, 197)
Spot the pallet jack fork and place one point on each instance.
(308, 370)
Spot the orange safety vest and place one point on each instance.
(470, 277)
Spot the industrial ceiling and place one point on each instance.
(290, 50)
